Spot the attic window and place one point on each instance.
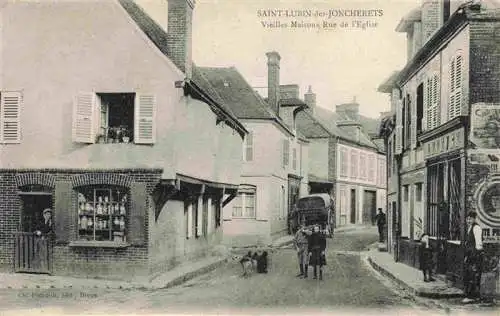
(226, 84)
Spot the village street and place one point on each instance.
(349, 283)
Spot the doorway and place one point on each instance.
(353, 206)
(369, 207)
(33, 253)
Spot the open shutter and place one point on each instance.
(425, 118)
(10, 117)
(451, 101)
(64, 213)
(199, 218)
(145, 113)
(413, 131)
(138, 197)
(435, 101)
(210, 215)
(83, 118)
(399, 127)
(189, 227)
(458, 85)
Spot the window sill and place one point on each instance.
(98, 244)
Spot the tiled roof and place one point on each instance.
(310, 127)
(245, 103)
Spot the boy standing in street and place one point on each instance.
(381, 221)
(300, 242)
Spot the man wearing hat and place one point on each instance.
(473, 259)
(43, 233)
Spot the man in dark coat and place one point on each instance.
(381, 221)
(316, 249)
(473, 259)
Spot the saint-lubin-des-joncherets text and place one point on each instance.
(331, 13)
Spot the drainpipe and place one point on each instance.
(399, 164)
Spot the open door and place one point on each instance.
(33, 253)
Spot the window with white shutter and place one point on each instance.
(83, 118)
(10, 117)
(455, 95)
(398, 144)
(354, 164)
(362, 166)
(286, 152)
(145, 112)
(248, 147)
(431, 98)
(344, 170)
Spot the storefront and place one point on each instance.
(119, 224)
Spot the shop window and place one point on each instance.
(244, 203)
(102, 214)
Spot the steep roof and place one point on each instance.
(311, 127)
(159, 38)
(245, 103)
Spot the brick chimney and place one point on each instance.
(349, 111)
(310, 99)
(273, 80)
(179, 40)
(432, 18)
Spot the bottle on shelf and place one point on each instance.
(122, 209)
(84, 222)
(122, 223)
(99, 208)
(90, 222)
(117, 221)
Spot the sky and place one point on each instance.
(339, 63)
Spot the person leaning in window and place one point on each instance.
(43, 234)
(317, 248)
(473, 259)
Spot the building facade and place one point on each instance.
(344, 162)
(106, 121)
(443, 141)
(273, 174)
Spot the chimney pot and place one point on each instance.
(310, 100)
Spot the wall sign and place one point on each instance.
(487, 197)
(485, 125)
(445, 143)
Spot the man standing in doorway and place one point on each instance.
(473, 259)
(381, 221)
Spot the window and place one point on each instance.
(371, 168)
(114, 118)
(10, 122)
(418, 192)
(408, 127)
(102, 214)
(294, 159)
(362, 166)
(455, 96)
(431, 100)
(405, 193)
(286, 152)
(344, 170)
(283, 202)
(354, 164)
(244, 203)
(420, 107)
(389, 157)
(248, 147)
(403, 122)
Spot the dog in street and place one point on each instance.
(249, 263)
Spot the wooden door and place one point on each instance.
(369, 207)
(32, 253)
(353, 206)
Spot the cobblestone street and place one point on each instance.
(348, 284)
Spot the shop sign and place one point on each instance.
(487, 198)
(485, 126)
(444, 144)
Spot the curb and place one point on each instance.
(190, 275)
(122, 286)
(409, 288)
